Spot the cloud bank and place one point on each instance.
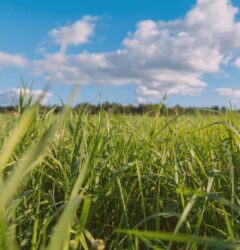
(231, 94)
(12, 60)
(11, 96)
(158, 56)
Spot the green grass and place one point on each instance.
(74, 181)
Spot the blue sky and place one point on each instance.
(124, 51)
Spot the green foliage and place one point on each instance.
(119, 109)
(78, 181)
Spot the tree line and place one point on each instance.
(116, 108)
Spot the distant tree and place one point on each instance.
(116, 108)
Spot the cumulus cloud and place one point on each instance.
(232, 94)
(237, 63)
(12, 60)
(11, 96)
(159, 57)
(75, 34)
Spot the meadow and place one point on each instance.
(80, 181)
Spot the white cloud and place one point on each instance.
(11, 96)
(217, 16)
(75, 34)
(237, 63)
(12, 60)
(232, 94)
(158, 56)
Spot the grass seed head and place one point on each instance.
(98, 244)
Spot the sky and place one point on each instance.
(129, 52)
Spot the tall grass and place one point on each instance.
(75, 181)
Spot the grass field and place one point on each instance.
(74, 181)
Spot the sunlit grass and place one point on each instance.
(75, 181)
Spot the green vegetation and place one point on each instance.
(119, 109)
(76, 181)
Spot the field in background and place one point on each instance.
(74, 181)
